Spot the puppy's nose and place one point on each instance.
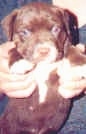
(43, 50)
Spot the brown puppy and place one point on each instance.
(42, 35)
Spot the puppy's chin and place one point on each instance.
(21, 67)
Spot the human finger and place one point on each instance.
(14, 86)
(5, 47)
(8, 77)
(71, 89)
(81, 48)
(22, 93)
(4, 56)
(17, 82)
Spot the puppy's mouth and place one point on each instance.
(45, 52)
(41, 54)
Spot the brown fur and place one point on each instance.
(27, 116)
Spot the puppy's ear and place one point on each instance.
(8, 24)
(71, 24)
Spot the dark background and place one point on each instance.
(76, 123)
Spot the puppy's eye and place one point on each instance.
(55, 31)
(25, 33)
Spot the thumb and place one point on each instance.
(5, 47)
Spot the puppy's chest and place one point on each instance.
(44, 97)
(31, 109)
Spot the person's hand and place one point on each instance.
(73, 79)
(13, 85)
(72, 87)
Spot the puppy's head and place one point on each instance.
(39, 30)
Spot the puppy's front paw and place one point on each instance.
(21, 67)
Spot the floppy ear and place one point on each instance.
(71, 27)
(71, 24)
(8, 24)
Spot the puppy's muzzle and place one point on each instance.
(45, 51)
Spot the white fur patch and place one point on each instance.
(41, 74)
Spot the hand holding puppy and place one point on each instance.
(13, 85)
(16, 86)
